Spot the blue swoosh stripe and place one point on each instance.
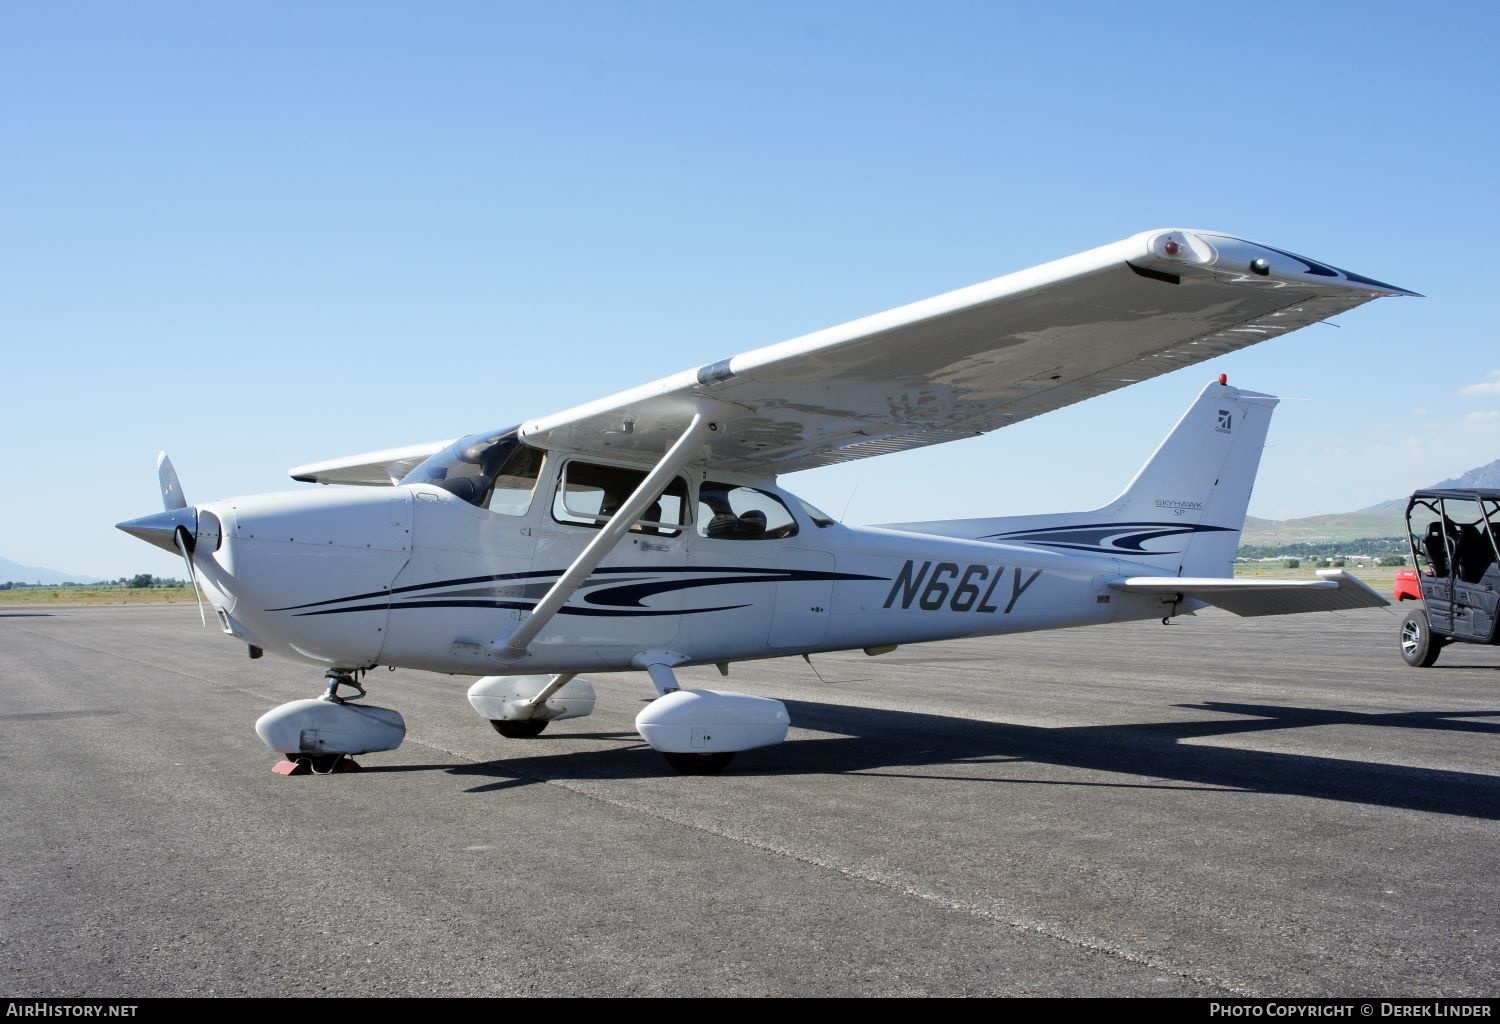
(618, 599)
(1107, 538)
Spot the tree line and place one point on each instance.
(139, 581)
(1379, 548)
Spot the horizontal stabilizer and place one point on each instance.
(377, 469)
(1335, 590)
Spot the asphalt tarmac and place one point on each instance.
(1266, 807)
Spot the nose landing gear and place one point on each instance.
(315, 764)
(342, 677)
(321, 734)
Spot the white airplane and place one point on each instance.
(647, 531)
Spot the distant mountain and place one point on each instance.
(1322, 529)
(14, 572)
(1484, 476)
(1386, 519)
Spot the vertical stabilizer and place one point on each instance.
(1181, 515)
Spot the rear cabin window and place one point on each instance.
(735, 512)
(589, 494)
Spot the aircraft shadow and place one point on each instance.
(872, 742)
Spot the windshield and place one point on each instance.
(470, 466)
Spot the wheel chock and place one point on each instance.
(302, 766)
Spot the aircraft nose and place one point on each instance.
(160, 528)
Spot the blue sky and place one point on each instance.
(261, 235)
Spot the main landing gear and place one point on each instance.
(698, 732)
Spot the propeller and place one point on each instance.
(171, 488)
(182, 539)
(173, 529)
(184, 542)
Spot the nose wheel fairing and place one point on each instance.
(316, 728)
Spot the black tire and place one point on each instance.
(1419, 648)
(321, 764)
(699, 764)
(523, 729)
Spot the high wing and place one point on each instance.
(975, 359)
(382, 468)
(955, 365)
(1334, 590)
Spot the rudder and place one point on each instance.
(1199, 480)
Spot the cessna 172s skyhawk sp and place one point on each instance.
(646, 530)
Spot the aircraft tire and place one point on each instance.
(521, 729)
(699, 764)
(321, 764)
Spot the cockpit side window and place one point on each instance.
(515, 484)
(736, 512)
(494, 471)
(589, 494)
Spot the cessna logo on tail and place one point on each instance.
(1225, 418)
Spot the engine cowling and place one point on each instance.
(712, 721)
(324, 727)
(500, 698)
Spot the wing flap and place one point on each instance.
(1334, 590)
(372, 469)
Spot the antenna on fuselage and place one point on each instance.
(845, 514)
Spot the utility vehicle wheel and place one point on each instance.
(1418, 646)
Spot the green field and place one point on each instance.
(95, 595)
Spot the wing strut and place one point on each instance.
(682, 452)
